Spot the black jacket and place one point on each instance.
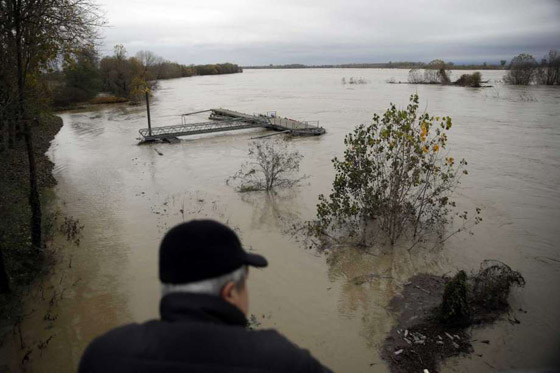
(197, 333)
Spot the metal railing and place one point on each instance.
(196, 128)
(228, 120)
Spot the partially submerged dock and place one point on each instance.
(229, 120)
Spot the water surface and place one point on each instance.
(127, 196)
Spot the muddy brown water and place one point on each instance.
(127, 196)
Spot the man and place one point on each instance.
(203, 328)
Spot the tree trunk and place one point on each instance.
(365, 232)
(34, 200)
(4, 279)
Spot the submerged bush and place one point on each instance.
(469, 80)
(395, 176)
(492, 285)
(480, 297)
(548, 72)
(272, 164)
(454, 308)
(353, 80)
(522, 70)
(435, 72)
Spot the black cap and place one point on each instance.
(202, 249)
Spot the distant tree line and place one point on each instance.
(84, 75)
(522, 70)
(385, 65)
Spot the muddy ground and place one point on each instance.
(418, 342)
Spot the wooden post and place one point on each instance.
(148, 111)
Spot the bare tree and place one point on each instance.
(272, 165)
(436, 72)
(414, 76)
(548, 73)
(151, 62)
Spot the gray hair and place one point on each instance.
(211, 286)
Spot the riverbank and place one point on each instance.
(23, 264)
(104, 99)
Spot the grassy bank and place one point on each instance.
(23, 264)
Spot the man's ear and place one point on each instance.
(227, 292)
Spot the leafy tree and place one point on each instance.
(521, 70)
(207, 70)
(272, 165)
(503, 63)
(118, 72)
(170, 70)
(32, 34)
(395, 177)
(81, 77)
(123, 76)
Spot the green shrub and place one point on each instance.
(454, 308)
(396, 176)
(470, 80)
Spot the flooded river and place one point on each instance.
(127, 196)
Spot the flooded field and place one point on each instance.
(127, 196)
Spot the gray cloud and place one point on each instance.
(333, 31)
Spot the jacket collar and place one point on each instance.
(200, 308)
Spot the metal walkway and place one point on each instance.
(230, 120)
(194, 129)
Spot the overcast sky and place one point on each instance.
(262, 32)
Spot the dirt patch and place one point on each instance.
(436, 312)
(418, 341)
